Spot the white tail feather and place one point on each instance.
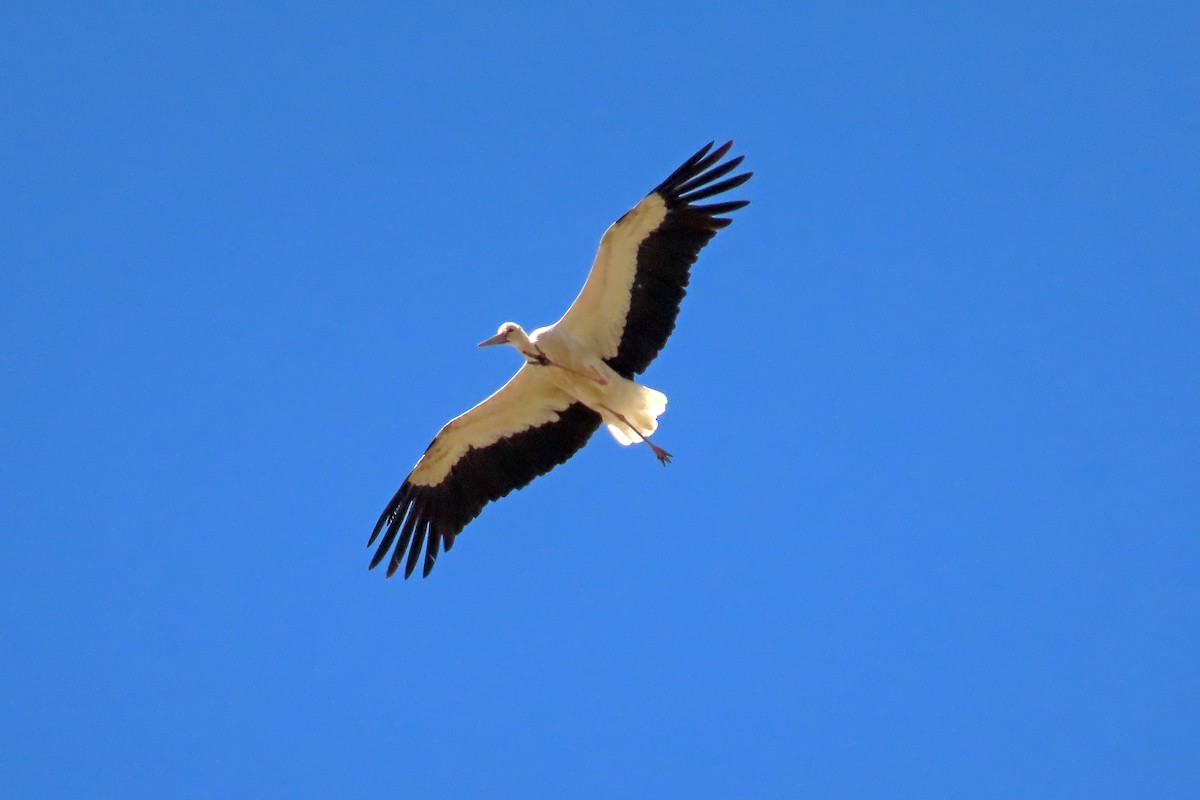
(640, 405)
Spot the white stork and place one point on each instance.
(577, 373)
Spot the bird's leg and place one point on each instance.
(537, 357)
(663, 456)
(600, 379)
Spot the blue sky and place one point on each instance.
(932, 525)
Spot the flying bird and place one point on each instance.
(578, 372)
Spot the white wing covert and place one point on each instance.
(627, 308)
(525, 429)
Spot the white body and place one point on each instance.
(577, 371)
(537, 395)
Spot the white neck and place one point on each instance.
(525, 346)
(520, 340)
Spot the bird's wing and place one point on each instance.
(522, 431)
(627, 308)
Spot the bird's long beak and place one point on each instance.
(499, 338)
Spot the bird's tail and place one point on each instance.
(641, 406)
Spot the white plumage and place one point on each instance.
(578, 372)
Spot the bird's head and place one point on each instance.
(509, 333)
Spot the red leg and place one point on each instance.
(663, 456)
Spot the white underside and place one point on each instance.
(627, 408)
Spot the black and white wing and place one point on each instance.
(524, 430)
(627, 308)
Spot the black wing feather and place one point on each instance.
(434, 515)
(665, 256)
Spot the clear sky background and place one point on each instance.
(933, 525)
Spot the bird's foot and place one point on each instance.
(663, 456)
